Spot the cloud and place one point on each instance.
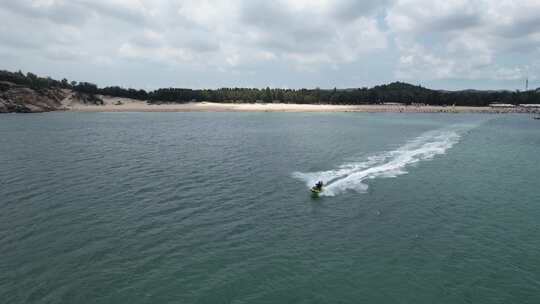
(318, 41)
(463, 39)
(62, 12)
(313, 32)
(76, 12)
(22, 33)
(347, 10)
(132, 11)
(222, 34)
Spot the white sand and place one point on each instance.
(115, 104)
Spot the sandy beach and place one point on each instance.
(115, 104)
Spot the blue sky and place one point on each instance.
(452, 44)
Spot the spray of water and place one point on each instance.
(352, 176)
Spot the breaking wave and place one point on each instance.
(351, 176)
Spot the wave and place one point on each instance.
(352, 176)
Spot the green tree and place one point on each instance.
(267, 97)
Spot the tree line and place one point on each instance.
(397, 92)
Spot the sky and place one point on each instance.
(452, 44)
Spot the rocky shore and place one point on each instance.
(16, 98)
(21, 99)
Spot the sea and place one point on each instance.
(217, 208)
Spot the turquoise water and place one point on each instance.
(215, 208)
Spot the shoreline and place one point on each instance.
(112, 104)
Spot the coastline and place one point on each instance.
(114, 104)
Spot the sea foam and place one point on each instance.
(351, 176)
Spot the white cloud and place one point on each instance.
(303, 34)
(401, 39)
(463, 39)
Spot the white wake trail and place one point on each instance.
(351, 176)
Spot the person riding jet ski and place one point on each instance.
(318, 187)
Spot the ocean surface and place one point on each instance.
(216, 208)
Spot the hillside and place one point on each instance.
(23, 99)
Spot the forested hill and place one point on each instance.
(397, 92)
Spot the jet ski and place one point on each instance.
(318, 188)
